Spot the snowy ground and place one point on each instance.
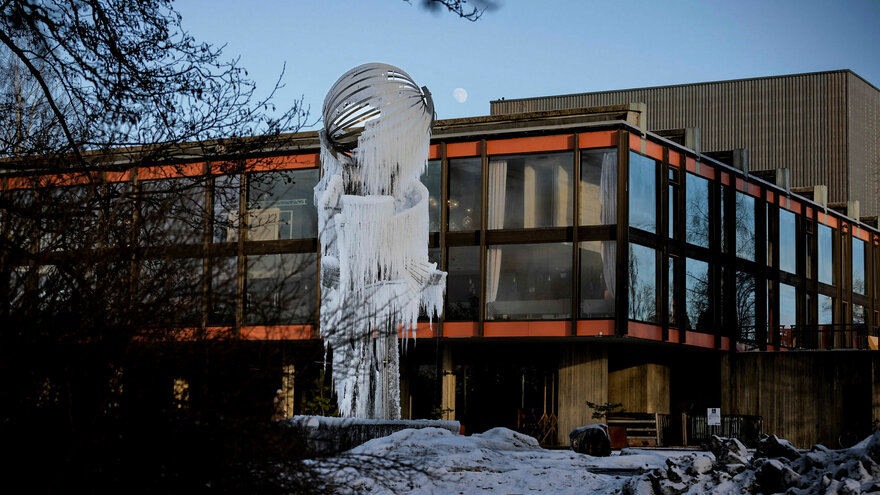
(505, 462)
(497, 461)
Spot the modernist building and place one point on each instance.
(589, 260)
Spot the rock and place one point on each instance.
(773, 476)
(728, 451)
(667, 487)
(772, 447)
(701, 465)
(591, 440)
(638, 486)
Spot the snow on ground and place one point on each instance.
(497, 461)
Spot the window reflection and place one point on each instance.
(673, 305)
(432, 179)
(696, 295)
(858, 266)
(530, 191)
(598, 196)
(826, 310)
(172, 211)
(642, 283)
(745, 226)
(172, 288)
(825, 255)
(226, 203)
(281, 289)
(528, 281)
(745, 306)
(787, 306)
(642, 192)
(787, 241)
(463, 283)
(281, 205)
(465, 188)
(858, 314)
(223, 291)
(697, 221)
(598, 278)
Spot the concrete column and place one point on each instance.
(583, 376)
(447, 394)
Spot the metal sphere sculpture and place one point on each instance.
(373, 227)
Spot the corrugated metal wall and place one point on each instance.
(797, 121)
(864, 144)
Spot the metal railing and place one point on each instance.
(838, 336)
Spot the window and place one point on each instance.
(697, 220)
(598, 196)
(826, 255)
(696, 295)
(465, 189)
(528, 281)
(787, 241)
(227, 190)
(463, 283)
(642, 192)
(642, 283)
(172, 288)
(858, 314)
(858, 266)
(281, 289)
(672, 209)
(281, 205)
(673, 306)
(787, 306)
(826, 310)
(745, 226)
(530, 191)
(431, 179)
(224, 287)
(598, 278)
(172, 211)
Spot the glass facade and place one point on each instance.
(530, 191)
(171, 211)
(463, 283)
(528, 281)
(825, 255)
(598, 278)
(281, 205)
(858, 266)
(432, 179)
(745, 226)
(697, 222)
(642, 283)
(281, 289)
(598, 194)
(465, 189)
(642, 192)
(698, 314)
(787, 241)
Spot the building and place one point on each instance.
(589, 259)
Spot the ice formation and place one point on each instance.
(373, 227)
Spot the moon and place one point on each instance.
(460, 95)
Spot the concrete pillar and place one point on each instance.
(447, 394)
(583, 376)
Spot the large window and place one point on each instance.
(598, 278)
(745, 226)
(697, 215)
(696, 295)
(642, 283)
(224, 287)
(671, 292)
(745, 306)
(172, 211)
(858, 266)
(463, 283)
(598, 196)
(530, 191)
(465, 189)
(825, 255)
(432, 179)
(281, 289)
(528, 281)
(787, 241)
(226, 203)
(826, 310)
(787, 306)
(281, 205)
(642, 192)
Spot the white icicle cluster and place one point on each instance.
(373, 221)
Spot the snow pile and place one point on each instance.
(497, 461)
(776, 467)
(327, 436)
(373, 221)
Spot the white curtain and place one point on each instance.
(562, 189)
(497, 193)
(529, 192)
(608, 213)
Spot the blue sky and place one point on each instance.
(537, 48)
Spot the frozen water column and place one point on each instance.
(373, 228)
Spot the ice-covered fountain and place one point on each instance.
(373, 228)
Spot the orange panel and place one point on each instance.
(527, 329)
(725, 178)
(771, 197)
(424, 330)
(530, 144)
(809, 212)
(287, 162)
(725, 343)
(791, 205)
(595, 328)
(740, 185)
(673, 335)
(461, 329)
(645, 331)
(434, 152)
(118, 176)
(219, 333)
(700, 339)
(690, 165)
(862, 234)
(278, 332)
(826, 219)
(171, 171)
(454, 150)
(601, 139)
(755, 190)
(674, 158)
(654, 150)
(707, 171)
